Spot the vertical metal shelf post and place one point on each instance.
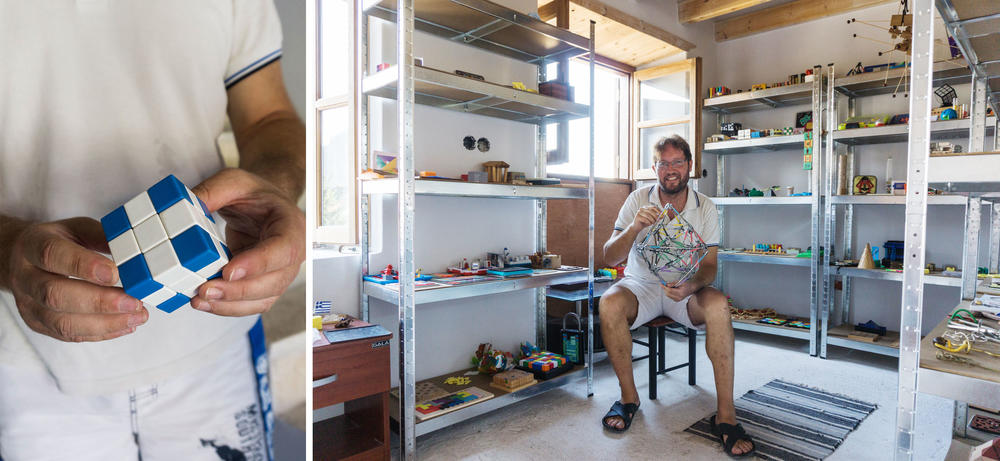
(591, 188)
(995, 238)
(848, 241)
(918, 156)
(814, 187)
(829, 211)
(406, 207)
(361, 141)
(541, 215)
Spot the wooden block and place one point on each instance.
(514, 389)
(863, 336)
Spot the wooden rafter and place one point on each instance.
(784, 15)
(548, 10)
(690, 11)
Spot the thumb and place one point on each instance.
(88, 233)
(224, 187)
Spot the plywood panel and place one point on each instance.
(783, 15)
(567, 222)
(618, 36)
(690, 11)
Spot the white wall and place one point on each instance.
(293, 49)
(769, 57)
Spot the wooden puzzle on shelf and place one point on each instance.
(451, 402)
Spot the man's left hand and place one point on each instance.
(265, 231)
(681, 291)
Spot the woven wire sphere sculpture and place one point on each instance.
(672, 246)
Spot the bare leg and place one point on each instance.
(618, 310)
(708, 306)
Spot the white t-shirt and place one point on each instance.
(699, 211)
(99, 99)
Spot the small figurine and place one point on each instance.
(388, 273)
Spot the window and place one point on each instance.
(668, 102)
(611, 92)
(334, 121)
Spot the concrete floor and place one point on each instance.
(565, 424)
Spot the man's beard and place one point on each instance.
(681, 184)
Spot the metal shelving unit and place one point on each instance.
(974, 26)
(853, 87)
(446, 90)
(497, 29)
(388, 294)
(754, 145)
(736, 201)
(791, 95)
(764, 259)
(471, 189)
(947, 129)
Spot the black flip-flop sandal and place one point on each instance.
(728, 436)
(624, 411)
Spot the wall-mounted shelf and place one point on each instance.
(764, 259)
(755, 145)
(886, 82)
(888, 344)
(490, 27)
(895, 199)
(445, 90)
(500, 398)
(776, 330)
(790, 95)
(954, 380)
(423, 296)
(882, 274)
(471, 189)
(736, 201)
(946, 129)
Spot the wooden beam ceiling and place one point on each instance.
(691, 11)
(547, 10)
(784, 15)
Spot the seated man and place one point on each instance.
(641, 297)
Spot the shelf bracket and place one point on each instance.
(486, 29)
(771, 102)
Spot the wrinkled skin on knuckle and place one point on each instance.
(50, 294)
(64, 327)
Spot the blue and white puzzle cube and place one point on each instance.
(166, 244)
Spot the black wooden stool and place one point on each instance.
(657, 329)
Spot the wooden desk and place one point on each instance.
(354, 370)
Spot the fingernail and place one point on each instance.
(104, 274)
(238, 274)
(128, 304)
(203, 306)
(213, 293)
(137, 319)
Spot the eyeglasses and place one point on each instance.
(662, 165)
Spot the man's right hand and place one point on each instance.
(64, 289)
(646, 216)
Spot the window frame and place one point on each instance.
(328, 234)
(623, 155)
(693, 67)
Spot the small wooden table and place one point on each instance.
(354, 370)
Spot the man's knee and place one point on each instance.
(618, 305)
(714, 303)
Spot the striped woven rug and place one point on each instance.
(794, 422)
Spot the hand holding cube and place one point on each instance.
(165, 244)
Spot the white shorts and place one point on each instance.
(209, 414)
(653, 302)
